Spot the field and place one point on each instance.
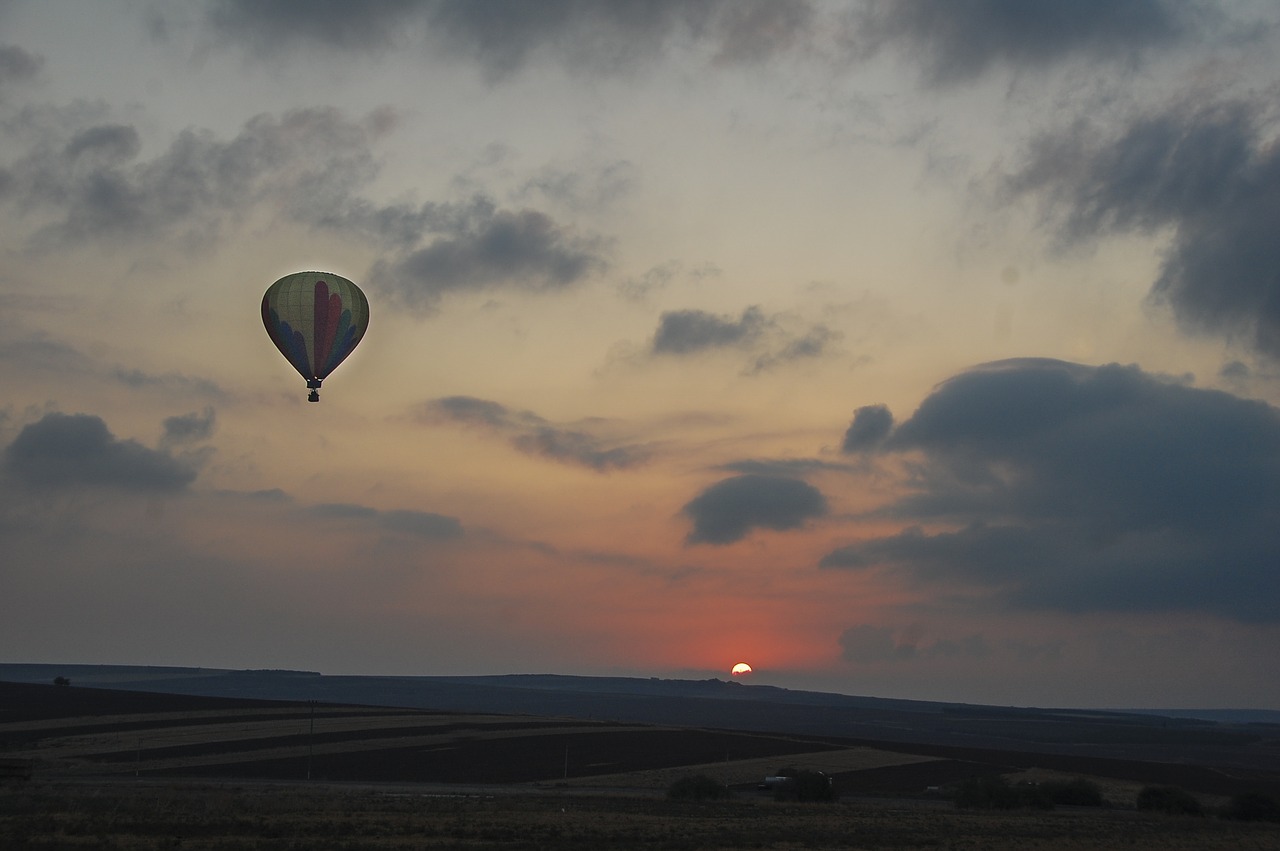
(149, 815)
(135, 770)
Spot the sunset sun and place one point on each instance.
(740, 669)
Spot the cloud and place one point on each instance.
(36, 351)
(871, 425)
(813, 343)
(17, 65)
(188, 428)
(422, 524)
(1053, 485)
(1205, 173)
(71, 450)
(345, 25)
(682, 332)
(169, 382)
(868, 644)
(661, 276)
(731, 509)
(503, 37)
(522, 250)
(780, 466)
(532, 435)
(87, 178)
(959, 40)
(775, 339)
(582, 190)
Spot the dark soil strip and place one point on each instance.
(517, 760)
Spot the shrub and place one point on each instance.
(805, 785)
(1077, 792)
(993, 792)
(1169, 799)
(1252, 806)
(697, 787)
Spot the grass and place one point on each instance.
(235, 816)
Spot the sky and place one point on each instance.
(912, 349)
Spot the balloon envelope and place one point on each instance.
(315, 319)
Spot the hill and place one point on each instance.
(286, 724)
(728, 706)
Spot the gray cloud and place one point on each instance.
(1207, 174)
(1088, 488)
(868, 644)
(780, 466)
(36, 351)
(871, 425)
(422, 524)
(73, 450)
(341, 24)
(774, 340)
(812, 343)
(959, 40)
(188, 428)
(86, 177)
(524, 250)
(502, 37)
(682, 332)
(168, 382)
(531, 434)
(17, 65)
(731, 509)
(89, 181)
(582, 190)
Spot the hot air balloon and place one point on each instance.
(315, 319)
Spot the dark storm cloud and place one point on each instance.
(523, 250)
(1204, 172)
(501, 37)
(1088, 488)
(533, 435)
(871, 425)
(731, 509)
(73, 450)
(87, 179)
(188, 428)
(959, 39)
(422, 524)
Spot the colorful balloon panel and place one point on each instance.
(315, 319)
